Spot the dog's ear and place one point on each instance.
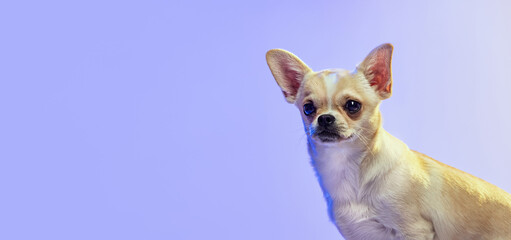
(288, 70)
(376, 68)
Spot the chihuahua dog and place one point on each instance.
(374, 185)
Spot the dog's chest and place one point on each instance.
(354, 207)
(356, 220)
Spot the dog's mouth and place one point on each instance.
(328, 136)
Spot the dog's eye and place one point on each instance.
(309, 109)
(352, 106)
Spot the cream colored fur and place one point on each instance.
(375, 186)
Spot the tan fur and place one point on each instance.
(376, 187)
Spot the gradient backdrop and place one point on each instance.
(161, 120)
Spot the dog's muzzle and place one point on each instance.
(326, 130)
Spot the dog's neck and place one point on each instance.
(347, 169)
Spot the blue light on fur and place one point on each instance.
(326, 194)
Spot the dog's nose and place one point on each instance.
(326, 120)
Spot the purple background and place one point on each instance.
(161, 120)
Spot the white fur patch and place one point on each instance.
(330, 83)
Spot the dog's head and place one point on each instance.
(336, 105)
